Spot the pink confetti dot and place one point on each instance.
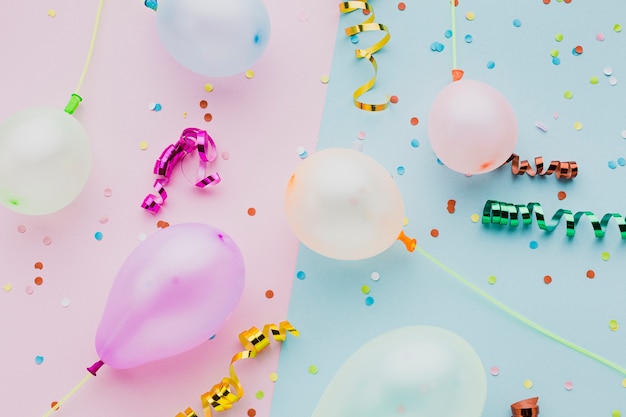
(225, 156)
(21, 228)
(104, 219)
(569, 385)
(361, 135)
(47, 240)
(302, 16)
(29, 290)
(494, 370)
(600, 36)
(108, 192)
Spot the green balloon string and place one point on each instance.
(497, 212)
(519, 316)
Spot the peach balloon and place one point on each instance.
(344, 205)
(472, 127)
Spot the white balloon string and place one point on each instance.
(68, 395)
(91, 47)
(453, 24)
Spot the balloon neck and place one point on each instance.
(93, 369)
(72, 105)
(410, 243)
(457, 74)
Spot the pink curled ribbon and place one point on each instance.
(191, 139)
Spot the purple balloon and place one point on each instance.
(171, 294)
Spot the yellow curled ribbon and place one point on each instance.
(367, 26)
(562, 170)
(229, 390)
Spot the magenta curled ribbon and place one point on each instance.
(191, 139)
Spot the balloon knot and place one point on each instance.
(457, 74)
(410, 243)
(93, 369)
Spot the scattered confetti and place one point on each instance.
(38, 359)
(251, 412)
(605, 256)
(208, 117)
(541, 127)
(517, 23)
(616, 413)
(7, 287)
(29, 290)
(313, 369)
(269, 294)
(591, 274)
(436, 47)
(249, 74)
(491, 279)
(273, 377)
(558, 37)
(434, 232)
(21, 228)
(375, 276)
(617, 28)
(300, 275)
(469, 39)
(613, 325)
(448, 34)
(259, 395)
(65, 302)
(52, 12)
(612, 164)
(475, 218)
(470, 16)
(143, 145)
(494, 370)
(577, 50)
(607, 71)
(451, 206)
(251, 211)
(369, 301)
(561, 195)
(393, 99)
(302, 16)
(98, 235)
(38, 280)
(528, 384)
(554, 53)
(47, 240)
(612, 80)
(568, 94)
(354, 39)
(491, 65)
(547, 279)
(225, 156)
(400, 170)
(401, 6)
(569, 385)
(208, 87)
(104, 219)
(157, 107)
(38, 265)
(578, 125)
(594, 80)
(365, 289)
(203, 104)
(415, 143)
(108, 192)
(533, 244)
(161, 224)
(324, 79)
(414, 121)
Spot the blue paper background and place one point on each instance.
(328, 306)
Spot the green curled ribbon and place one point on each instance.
(497, 212)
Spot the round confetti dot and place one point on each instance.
(568, 94)
(29, 290)
(143, 145)
(65, 302)
(569, 385)
(324, 79)
(273, 377)
(393, 99)
(225, 156)
(47, 240)
(492, 279)
(561, 195)
(21, 228)
(434, 232)
(375, 276)
(546, 1)
(38, 360)
(249, 74)
(617, 28)
(491, 65)
(300, 275)
(313, 369)
(157, 107)
(528, 384)
(554, 52)
(414, 121)
(605, 256)
(415, 143)
(141, 237)
(203, 104)
(533, 244)
(208, 117)
(594, 80)
(369, 301)
(612, 80)
(578, 125)
(108, 192)
(400, 170)
(54, 404)
(302, 16)
(517, 23)
(52, 12)
(251, 211)
(475, 217)
(259, 395)
(612, 164)
(470, 16)
(208, 87)
(448, 34)
(468, 39)
(600, 36)
(613, 325)
(38, 265)
(547, 279)
(607, 71)
(251, 412)
(7, 287)
(98, 235)
(38, 280)
(556, 60)
(451, 206)
(269, 294)
(401, 6)
(558, 37)
(161, 224)
(616, 413)
(354, 39)
(591, 274)
(365, 289)
(621, 161)
(361, 135)
(578, 49)
(494, 370)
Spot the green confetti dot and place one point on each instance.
(554, 53)
(558, 37)
(616, 413)
(260, 395)
(491, 279)
(617, 28)
(613, 325)
(312, 369)
(593, 80)
(568, 94)
(605, 256)
(365, 289)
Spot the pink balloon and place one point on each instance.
(171, 294)
(472, 127)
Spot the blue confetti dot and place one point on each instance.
(415, 143)
(157, 107)
(400, 170)
(574, 52)
(612, 164)
(354, 39)
(556, 60)
(300, 275)
(468, 38)
(212, 337)
(517, 23)
(436, 47)
(533, 244)
(491, 64)
(38, 360)
(621, 162)
(152, 4)
(369, 301)
(448, 34)
(98, 235)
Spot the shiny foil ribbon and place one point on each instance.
(497, 212)
(525, 408)
(190, 140)
(367, 26)
(229, 390)
(562, 170)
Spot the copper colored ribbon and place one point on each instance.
(525, 408)
(562, 170)
(497, 212)
(229, 390)
(191, 139)
(367, 26)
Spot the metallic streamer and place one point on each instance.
(525, 408)
(367, 26)
(562, 170)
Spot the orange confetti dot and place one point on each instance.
(456, 3)
(38, 280)
(561, 195)
(38, 265)
(269, 294)
(546, 1)
(568, 1)
(414, 121)
(451, 204)
(547, 279)
(434, 232)
(366, 12)
(579, 49)
(591, 274)
(393, 99)
(401, 6)
(162, 224)
(251, 412)
(203, 104)
(208, 117)
(251, 211)
(54, 404)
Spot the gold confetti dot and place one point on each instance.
(470, 16)
(208, 87)
(249, 74)
(475, 218)
(273, 377)
(143, 145)
(578, 125)
(7, 287)
(528, 384)
(52, 12)
(324, 79)
(405, 221)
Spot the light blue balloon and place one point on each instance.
(216, 38)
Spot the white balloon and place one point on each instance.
(216, 38)
(45, 159)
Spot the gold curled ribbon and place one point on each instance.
(229, 390)
(367, 26)
(497, 212)
(562, 170)
(525, 408)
